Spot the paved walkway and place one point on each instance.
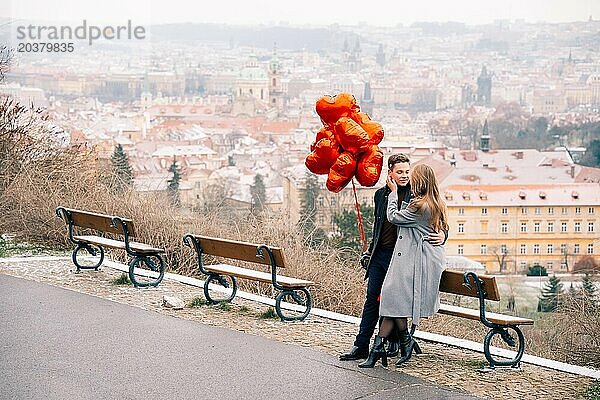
(60, 344)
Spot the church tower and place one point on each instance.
(146, 95)
(380, 56)
(484, 142)
(484, 87)
(276, 93)
(366, 104)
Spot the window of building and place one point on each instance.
(577, 210)
(321, 201)
(523, 249)
(591, 248)
(523, 264)
(590, 227)
(576, 248)
(461, 211)
(591, 210)
(564, 210)
(503, 249)
(333, 201)
(461, 249)
(523, 210)
(577, 226)
(550, 210)
(321, 219)
(550, 226)
(483, 249)
(563, 265)
(536, 226)
(484, 227)
(549, 265)
(504, 210)
(504, 227)
(536, 249)
(563, 248)
(550, 248)
(523, 227)
(538, 210)
(461, 227)
(484, 211)
(563, 226)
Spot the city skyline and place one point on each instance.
(310, 12)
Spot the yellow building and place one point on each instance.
(509, 228)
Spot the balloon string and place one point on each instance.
(360, 222)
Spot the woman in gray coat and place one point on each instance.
(411, 285)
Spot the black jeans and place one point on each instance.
(380, 262)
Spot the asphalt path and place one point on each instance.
(60, 344)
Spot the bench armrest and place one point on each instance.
(470, 279)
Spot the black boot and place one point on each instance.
(377, 352)
(407, 345)
(392, 348)
(355, 353)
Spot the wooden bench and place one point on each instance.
(484, 288)
(144, 256)
(292, 290)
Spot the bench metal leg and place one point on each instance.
(147, 262)
(508, 339)
(299, 296)
(91, 249)
(226, 282)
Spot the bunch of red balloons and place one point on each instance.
(347, 144)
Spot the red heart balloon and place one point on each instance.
(369, 166)
(341, 172)
(351, 136)
(374, 129)
(330, 109)
(323, 157)
(323, 133)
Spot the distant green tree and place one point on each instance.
(347, 233)
(549, 300)
(588, 289)
(572, 292)
(591, 158)
(258, 194)
(537, 270)
(230, 161)
(173, 183)
(121, 169)
(308, 211)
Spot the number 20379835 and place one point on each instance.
(43, 47)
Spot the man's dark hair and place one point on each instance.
(396, 159)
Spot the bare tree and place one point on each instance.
(501, 253)
(214, 196)
(6, 56)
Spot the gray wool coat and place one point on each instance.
(411, 285)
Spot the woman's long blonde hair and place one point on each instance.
(424, 186)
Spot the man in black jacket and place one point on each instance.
(377, 259)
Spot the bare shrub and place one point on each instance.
(570, 334)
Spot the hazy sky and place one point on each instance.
(374, 12)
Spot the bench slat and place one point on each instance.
(452, 282)
(117, 244)
(99, 222)
(226, 269)
(238, 250)
(474, 314)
